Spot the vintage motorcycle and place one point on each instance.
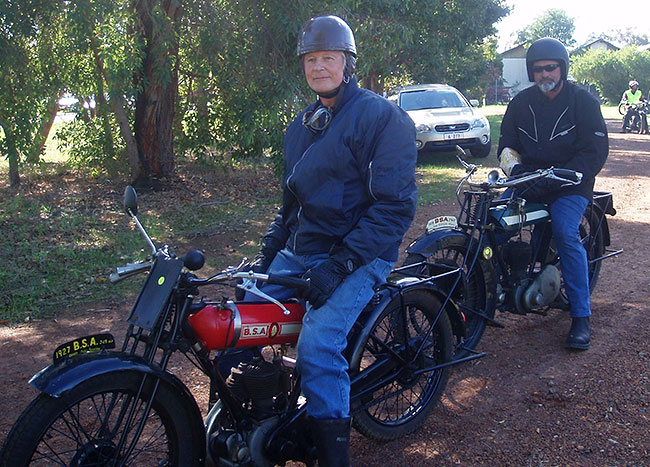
(103, 407)
(505, 249)
(638, 118)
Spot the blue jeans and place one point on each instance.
(566, 213)
(323, 369)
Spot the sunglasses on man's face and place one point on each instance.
(546, 68)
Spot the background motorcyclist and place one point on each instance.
(349, 195)
(555, 123)
(630, 97)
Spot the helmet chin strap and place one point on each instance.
(335, 91)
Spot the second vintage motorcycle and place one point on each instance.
(505, 249)
(100, 407)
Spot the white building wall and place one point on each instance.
(515, 75)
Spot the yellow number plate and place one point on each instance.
(82, 345)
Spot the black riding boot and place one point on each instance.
(332, 440)
(579, 334)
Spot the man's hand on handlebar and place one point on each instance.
(534, 190)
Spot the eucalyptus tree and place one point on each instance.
(554, 22)
(240, 83)
(425, 41)
(26, 81)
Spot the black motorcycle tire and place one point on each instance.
(469, 294)
(66, 430)
(635, 124)
(593, 240)
(402, 406)
(622, 109)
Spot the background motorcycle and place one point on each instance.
(492, 243)
(637, 120)
(127, 408)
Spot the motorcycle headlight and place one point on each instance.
(479, 123)
(421, 127)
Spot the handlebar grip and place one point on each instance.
(290, 282)
(568, 174)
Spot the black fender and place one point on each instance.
(56, 380)
(386, 298)
(429, 243)
(603, 203)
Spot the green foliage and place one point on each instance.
(28, 45)
(240, 77)
(84, 142)
(610, 71)
(424, 41)
(554, 23)
(239, 81)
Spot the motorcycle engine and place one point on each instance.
(544, 288)
(261, 386)
(535, 292)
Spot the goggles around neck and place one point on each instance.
(317, 120)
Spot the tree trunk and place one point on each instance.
(118, 105)
(370, 82)
(44, 130)
(103, 111)
(156, 104)
(137, 170)
(13, 156)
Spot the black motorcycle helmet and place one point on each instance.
(329, 33)
(326, 33)
(547, 48)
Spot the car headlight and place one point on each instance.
(479, 123)
(421, 127)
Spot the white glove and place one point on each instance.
(508, 159)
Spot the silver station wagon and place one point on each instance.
(444, 118)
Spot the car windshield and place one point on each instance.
(430, 99)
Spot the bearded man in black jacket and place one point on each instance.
(555, 123)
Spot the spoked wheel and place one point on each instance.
(469, 292)
(621, 109)
(400, 355)
(98, 423)
(591, 237)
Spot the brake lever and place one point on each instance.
(250, 285)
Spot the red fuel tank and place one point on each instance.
(247, 324)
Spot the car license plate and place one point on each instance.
(452, 136)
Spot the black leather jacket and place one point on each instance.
(567, 132)
(351, 184)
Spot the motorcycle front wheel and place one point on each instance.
(400, 348)
(98, 422)
(469, 292)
